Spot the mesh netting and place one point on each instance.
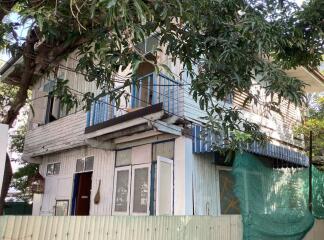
(318, 193)
(273, 202)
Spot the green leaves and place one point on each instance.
(224, 46)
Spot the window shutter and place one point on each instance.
(39, 107)
(56, 108)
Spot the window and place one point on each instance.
(140, 189)
(163, 149)
(143, 92)
(61, 207)
(124, 157)
(149, 45)
(54, 109)
(132, 193)
(53, 169)
(88, 166)
(83, 165)
(229, 204)
(141, 185)
(121, 190)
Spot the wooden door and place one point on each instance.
(84, 194)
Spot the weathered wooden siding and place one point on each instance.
(278, 127)
(122, 228)
(64, 133)
(59, 187)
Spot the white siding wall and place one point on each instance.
(64, 133)
(59, 187)
(183, 176)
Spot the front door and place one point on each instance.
(83, 193)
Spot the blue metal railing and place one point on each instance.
(101, 110)
(145, 91)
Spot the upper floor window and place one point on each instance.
(149, 45)
(54, 109)
(143, 91)
(53, 169)
(144, 86)
(84, 165)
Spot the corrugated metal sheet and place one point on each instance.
(118, 228)
(205, 183)
(204, 145)
(125, 228)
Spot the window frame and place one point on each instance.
(133, 168)
(53, 163)
(221, 168)
(84, 163)
(117, 169)
(67, 209)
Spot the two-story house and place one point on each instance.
(147, 156)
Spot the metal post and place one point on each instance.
(310, 195)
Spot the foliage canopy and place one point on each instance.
(223, 46)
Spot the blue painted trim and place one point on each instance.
(168, 96)
(154, 83)
(152, 205)
(93, 113)
(88, 118)
(133, 94)
(139, 97)
(106, 108)
(75, 193)
(149, 78)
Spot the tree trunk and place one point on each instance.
(5, 183)
(36, 63)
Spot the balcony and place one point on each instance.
(147, 91)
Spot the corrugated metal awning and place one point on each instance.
(203, 144)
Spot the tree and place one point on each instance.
(222, 45)
(314, 122)
(24, 173)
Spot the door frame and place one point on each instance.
(75, 191)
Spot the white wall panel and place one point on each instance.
(183, 176)
(59, 187)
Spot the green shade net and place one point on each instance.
(273, 202)
(318, 193)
